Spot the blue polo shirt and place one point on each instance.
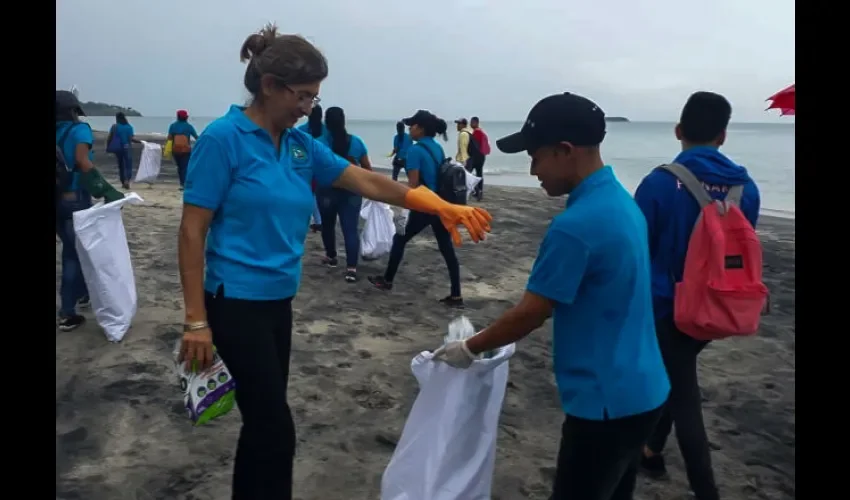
(305, 127)
(593, 264)
(80, 134)
(402, 144)
(181, 127)
(426, 157)
(356, 147)
(124, 132)
(262, 203)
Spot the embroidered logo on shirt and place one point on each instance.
(299, 154)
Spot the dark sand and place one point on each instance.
(122, 432)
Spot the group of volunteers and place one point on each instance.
(606, 272)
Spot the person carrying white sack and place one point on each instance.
(592, 275)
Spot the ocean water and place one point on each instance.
(633, 149)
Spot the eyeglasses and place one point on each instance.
(304, 98)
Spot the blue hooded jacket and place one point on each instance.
(671, 213)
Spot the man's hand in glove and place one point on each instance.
(455, 354)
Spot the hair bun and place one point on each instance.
(256, 43)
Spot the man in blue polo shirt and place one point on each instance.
(592, 275)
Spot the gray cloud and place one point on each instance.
(494, 58)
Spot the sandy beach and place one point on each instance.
(122, 432)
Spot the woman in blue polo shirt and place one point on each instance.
(246, 210)
(423, 164)
(125, 135)
(335, 202)
(401, 143)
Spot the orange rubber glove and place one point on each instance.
(477, 220)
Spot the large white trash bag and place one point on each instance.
(150, 164)
(471, 182)
(376, 239)
(447, 450)
(105, 260)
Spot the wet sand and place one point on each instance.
(122, 432)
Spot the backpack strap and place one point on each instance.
(64, 137)
(438, 162)
(735, 194)
(691, 183)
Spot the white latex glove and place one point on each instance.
(455, 354)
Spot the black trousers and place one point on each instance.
(684, 408)
(254, 340)
(398, 165)
(476, 166)
(416, 222)
(598, 459)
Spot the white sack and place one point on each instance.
(376, 239)
(447, 450)
(105, 260)
(150, 164)
(471, 181)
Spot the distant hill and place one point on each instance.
(616, 119)
(103, 109)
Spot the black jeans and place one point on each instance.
(684, 408)
(416, 222)
(254, 340)
(182, 161)
(598, 459)
(344, 204)
(398, 164)
(475, 165)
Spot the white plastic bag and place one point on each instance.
(447, 450)
(150, 163)
(401, 221)
(471, 181)
(101, 243)
(376, 239)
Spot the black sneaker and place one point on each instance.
(315, 227)
(380, 283)
(71, 322)
(330, 262)
(84, 302)
(654, 466)
(452, 301)
(350, 275)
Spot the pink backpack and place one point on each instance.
(721, 293)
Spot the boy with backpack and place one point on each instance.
(705, 257)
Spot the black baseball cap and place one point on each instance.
(558, 118)
(420, 118)
(66, 100)
(462, 121)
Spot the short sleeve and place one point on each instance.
(208, 174)
(327, 165)
(358, 148)
(82, 134)
(132, 131)
(560, 266)
(414, 159)
(171, 129)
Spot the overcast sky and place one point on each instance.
(493, 58)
